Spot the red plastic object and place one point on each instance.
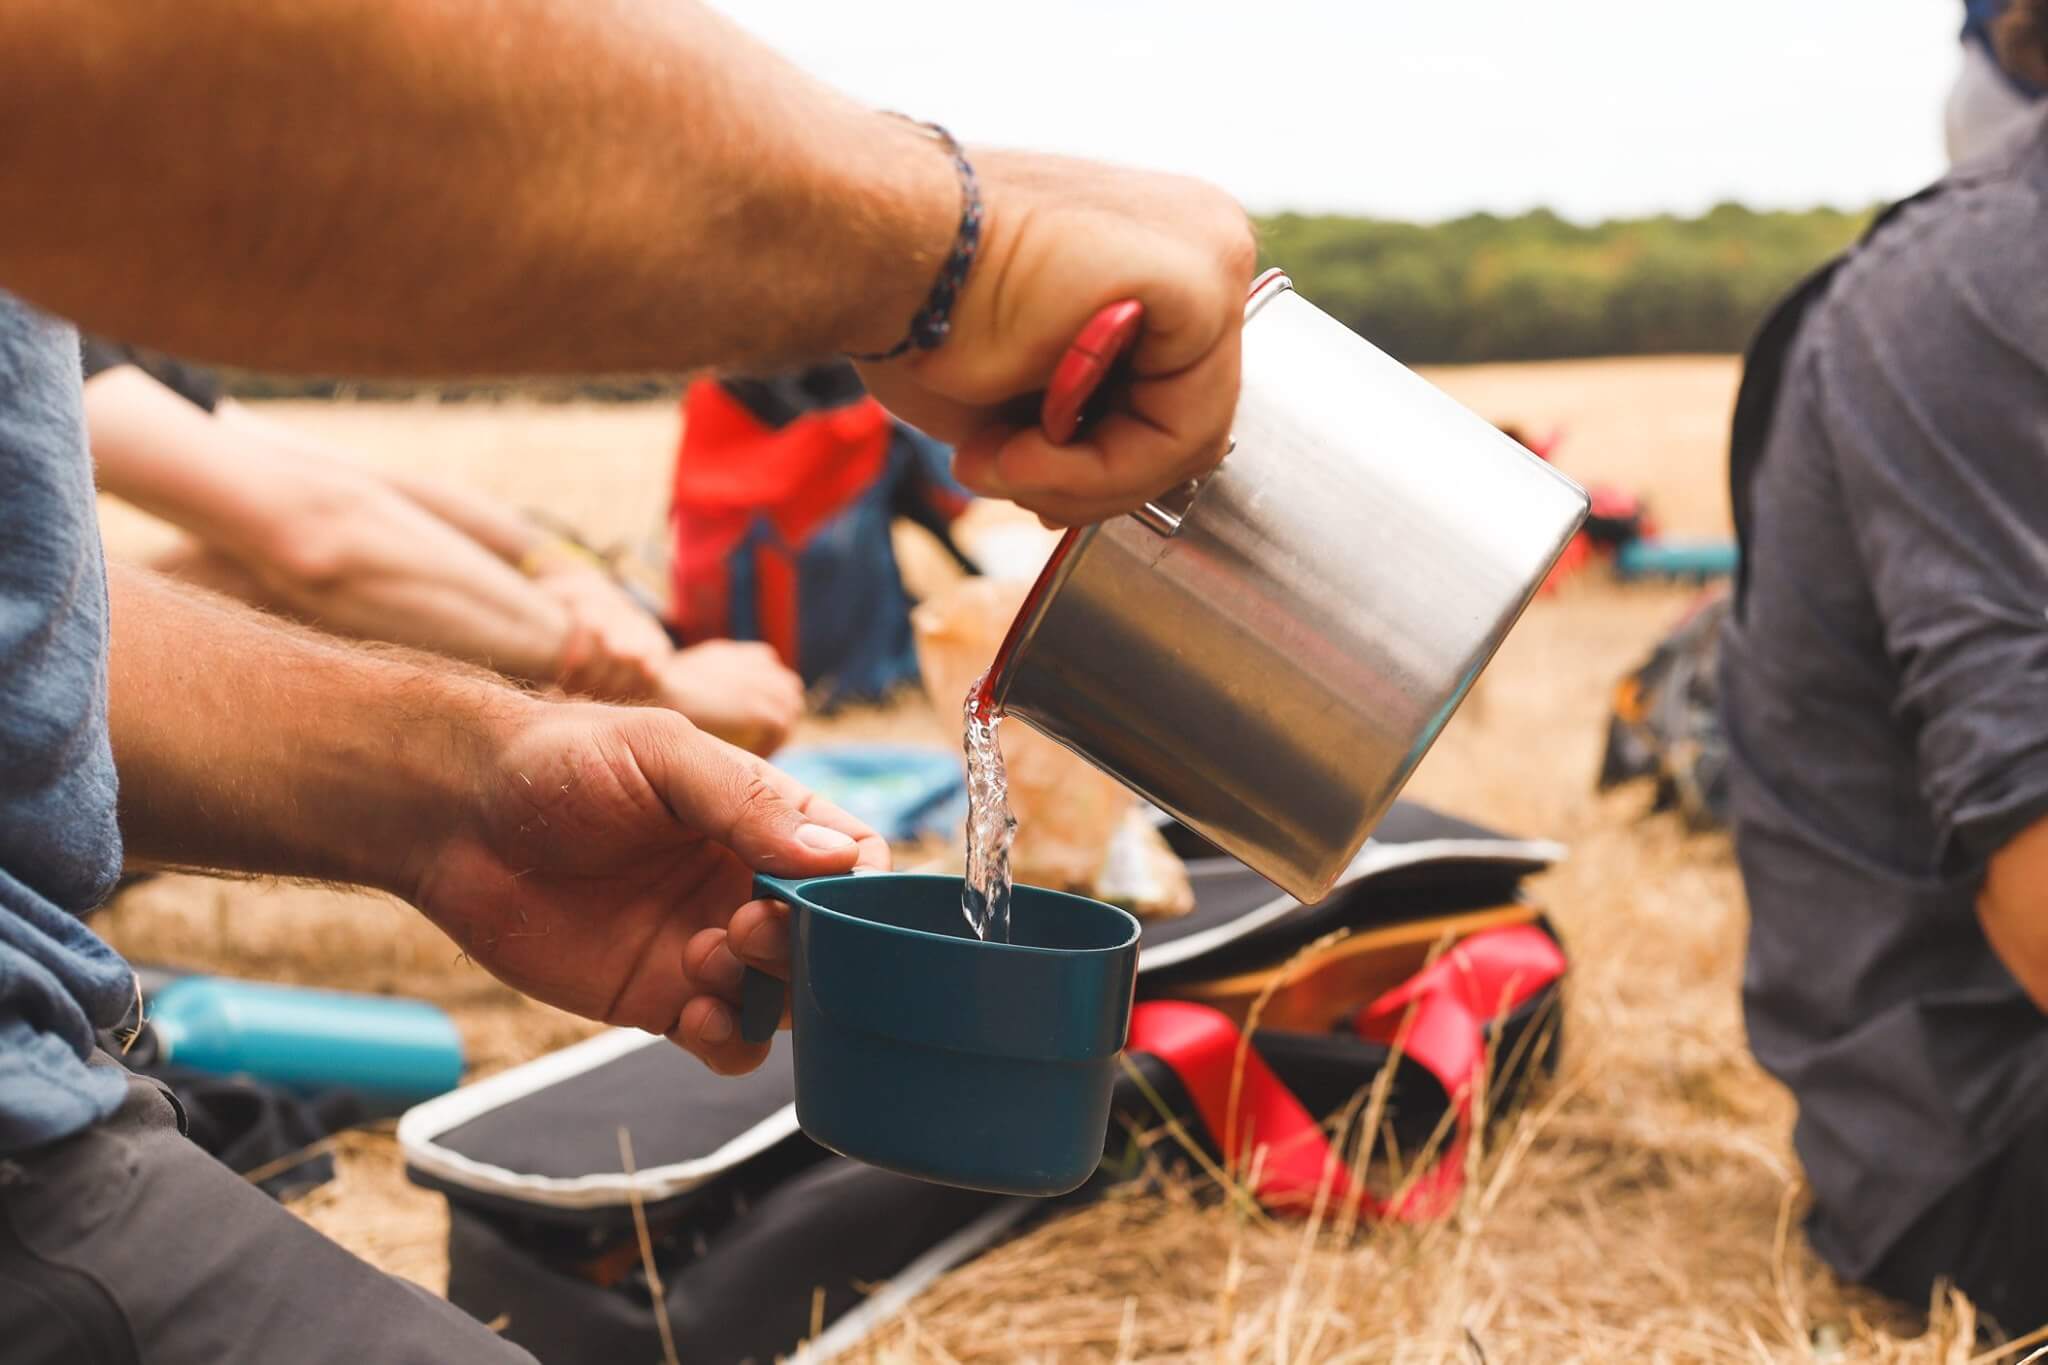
(984, 697)
(1542, 446)
(1613, 503)
(1438, 1017)
(1578, 552)
(1242, 1104)
(1441, 1014)
(1077, 393)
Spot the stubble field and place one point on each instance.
(1643, 1208)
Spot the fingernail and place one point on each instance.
(717, 1025)
(819, 839)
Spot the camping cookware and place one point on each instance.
(1267, 652)
(924, 1050)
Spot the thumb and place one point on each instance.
(761, 813)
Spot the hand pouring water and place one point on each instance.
(1267, 652)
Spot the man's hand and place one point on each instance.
(608, 867)
(1062, 239)
(637, 186)
(600, 858)
(2013, 908)
(615, 651)
(737, 690)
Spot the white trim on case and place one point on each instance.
(424, 1123)
(1374, 860)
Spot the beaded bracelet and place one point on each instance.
(934, 321)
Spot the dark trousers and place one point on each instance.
(1988, 1237)
(128, 1244)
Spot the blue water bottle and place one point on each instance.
(1696, 560)
(391, 1053)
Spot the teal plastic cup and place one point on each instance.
(926, 1051)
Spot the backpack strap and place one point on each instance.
(1438, 1017)
(1243, 1106)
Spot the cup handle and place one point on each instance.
(761, 995)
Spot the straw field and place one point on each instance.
(1645, 1205)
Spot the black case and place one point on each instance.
(759, 1235)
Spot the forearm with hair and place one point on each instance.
(455, 187)
(244, 744)
(490, 523)
(498, 528)
(325, 539)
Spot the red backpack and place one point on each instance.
(780, 512)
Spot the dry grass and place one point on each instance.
(1644, 1209)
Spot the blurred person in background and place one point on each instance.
(626, 187)
(1989, 99)
(786, 490)
(1885, 687)
(275, 518)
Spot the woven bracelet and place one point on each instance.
(935, 320)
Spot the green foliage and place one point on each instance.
(1482, 287)
(1535, 286)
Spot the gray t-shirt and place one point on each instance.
(60, 850)
(1886, 692)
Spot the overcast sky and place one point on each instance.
(1422, 108)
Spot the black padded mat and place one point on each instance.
(675, 1109)
(744, 1289)
(1412, 822)
(1406, 822)
(1419, 862)
(1422, 863)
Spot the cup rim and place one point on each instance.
(803, 893)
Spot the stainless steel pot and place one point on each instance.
(1267, 653)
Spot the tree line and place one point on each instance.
(1484, 287)
(1535, 286)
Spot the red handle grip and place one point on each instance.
(1078, 393)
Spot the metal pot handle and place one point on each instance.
(1165, 513)
(1073, 400)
